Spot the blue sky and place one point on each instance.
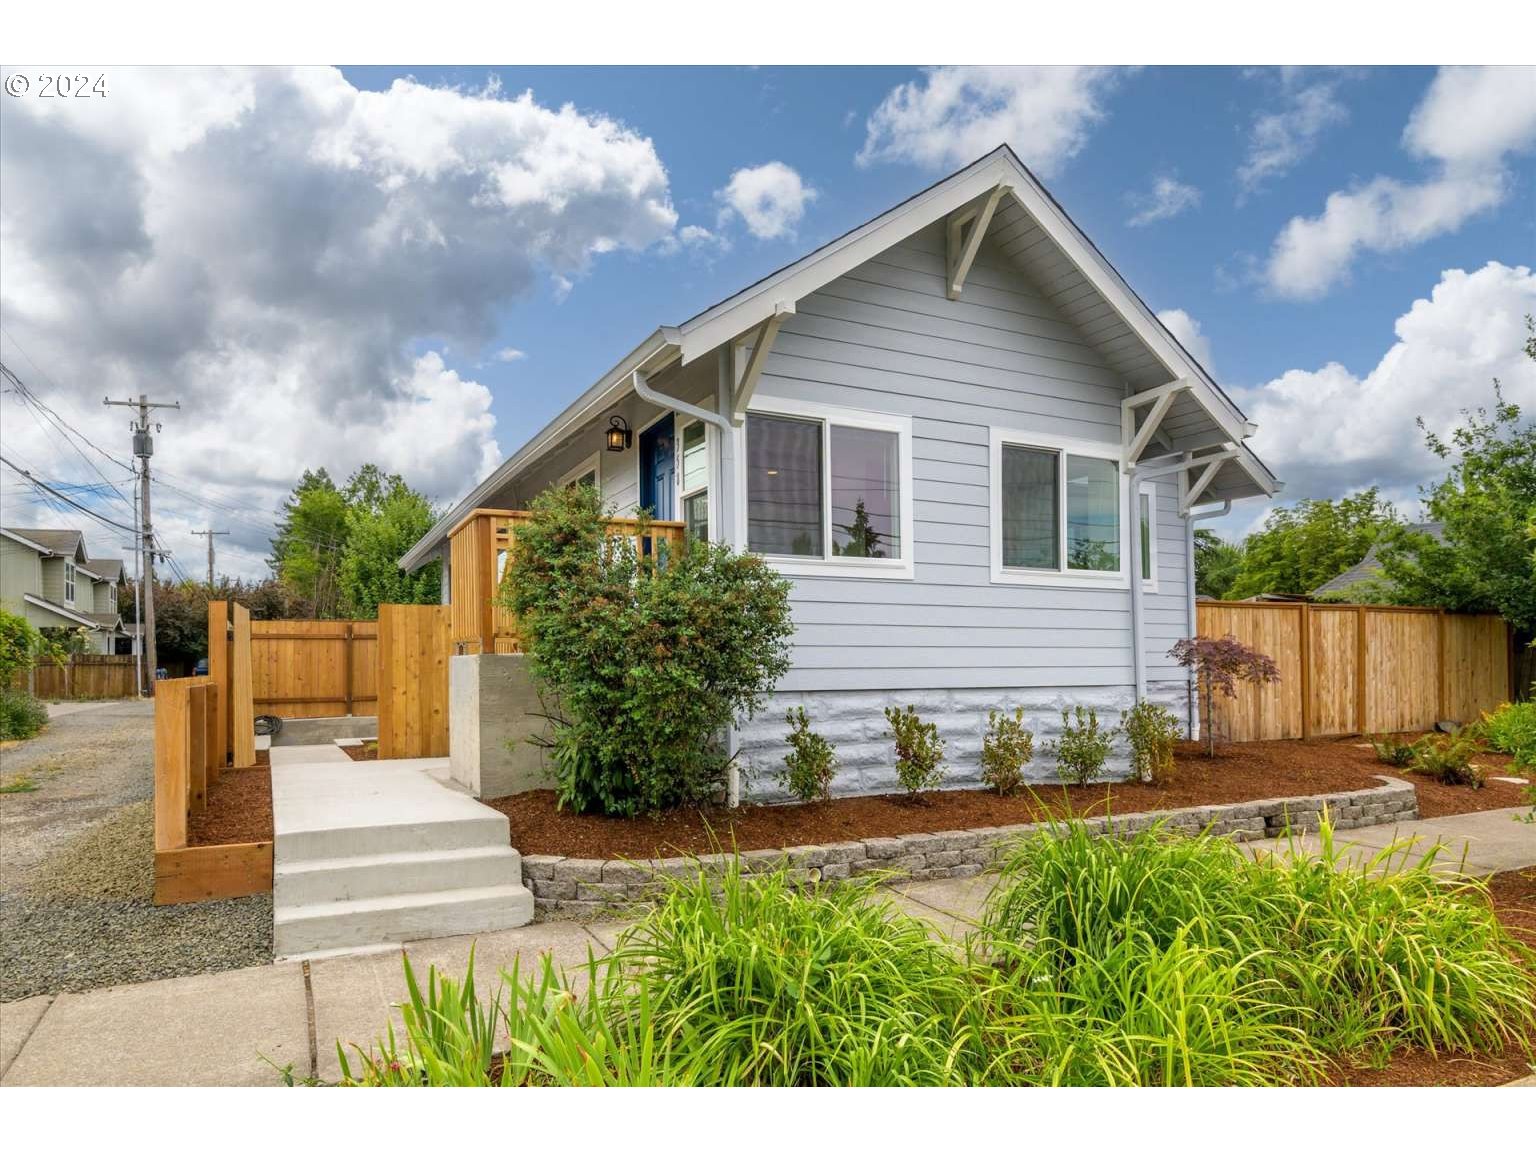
(1194, 124)
(339, 261)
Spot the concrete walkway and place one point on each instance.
(1475, 844)
(224, 1028)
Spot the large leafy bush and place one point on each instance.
(21, 716)
(648, 655)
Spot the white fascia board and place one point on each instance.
(749, 308)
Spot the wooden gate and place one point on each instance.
(413, 680)
(303, 668)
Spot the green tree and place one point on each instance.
(306, 552)
(181, 612)
(1217, 564)
(1309, 543)
(1486, 504)
(382, 525)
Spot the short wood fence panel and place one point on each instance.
(1355, 668)
(414, 647)
(83, 677)
(190, 753)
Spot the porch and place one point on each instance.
(480, 549)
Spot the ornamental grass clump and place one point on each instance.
(650, 653)
(811, 762)
(1006, 748)
(1082, 747)
(1158, 959)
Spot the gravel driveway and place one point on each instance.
(77, 867)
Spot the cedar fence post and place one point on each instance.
(1360, 654)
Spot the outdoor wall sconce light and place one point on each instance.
(618, 434)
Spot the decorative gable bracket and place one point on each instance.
(963, 243)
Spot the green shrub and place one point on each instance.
(919, 750)
(1511, 728)
(21, 716)
(1082, 747)
(1152, 731)
(811, 762)
(19, 644)
(1007, 747)
(1394, 750)
(1447, 759)
(650, 655)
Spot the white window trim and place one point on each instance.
(1148, 488)
(842, 566)
(592, 464)
(1063, 577)
(71, 579)
(709, 486)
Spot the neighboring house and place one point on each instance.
(1365, 578)
(47, 577)
(957, 430)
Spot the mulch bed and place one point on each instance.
(239, 809)
(1257, 771)
(368, 751)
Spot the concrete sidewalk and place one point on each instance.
(223, 1028)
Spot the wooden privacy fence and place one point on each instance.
(315, 667)
(1356, 668)
(190, 751)
(83, 677)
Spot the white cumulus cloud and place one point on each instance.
(1186, 330)
(1167, 198)
(1284, 136)
(1328, 430)
(277, 249)
(511, 355)
(1468, 124)
(955, 114)
(770, 200)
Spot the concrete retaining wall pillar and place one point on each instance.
(493, 708)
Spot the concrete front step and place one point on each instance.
(300, 931)
(399, 835)
(394, 874)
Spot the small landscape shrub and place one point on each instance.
(811, 762)
(1152, 731)
(1447, 759)
(919, 750)
(1007, 747)
(1394, 750)
(21, 716)
(1511, 728)
(1082, 747)
(1218, 666)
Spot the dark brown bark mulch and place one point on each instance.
(239, 809)
(1256, 771)
(368, 751)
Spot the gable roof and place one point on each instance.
(54, 541)
(109, 570)
(1034, 231)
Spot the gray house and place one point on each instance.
(974, 449)
(47, 577)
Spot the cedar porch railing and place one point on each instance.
(480, 547)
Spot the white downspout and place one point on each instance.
(1191, 615)
(724, 502)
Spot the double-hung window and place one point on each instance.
(829, 490)
(1058, 511)
(69, 582)
(693, 477)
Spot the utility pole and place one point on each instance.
(144, 448)
(138, 598)
(210, 533)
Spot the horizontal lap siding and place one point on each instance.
(884, 338)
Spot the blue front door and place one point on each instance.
(657, 482)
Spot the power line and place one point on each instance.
(61, 496)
